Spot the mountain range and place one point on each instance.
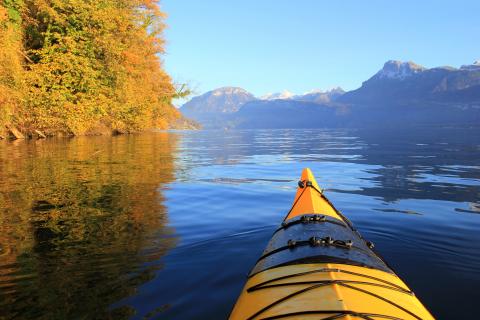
(401, 93)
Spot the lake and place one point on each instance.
(166, 225)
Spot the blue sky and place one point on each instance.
(268, 46)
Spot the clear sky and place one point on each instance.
(267, 46)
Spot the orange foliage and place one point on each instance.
(89, 64)
(11, 71)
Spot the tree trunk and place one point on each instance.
(15, 133)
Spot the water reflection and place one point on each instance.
(410, 192)
(79, 219)
(426, 163)
(84, 231)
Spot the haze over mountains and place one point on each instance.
(401, 93)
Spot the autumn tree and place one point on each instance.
(11, 71)
(85, 65)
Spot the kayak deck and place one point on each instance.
(323, 291)
(310, 199)
(316, 266)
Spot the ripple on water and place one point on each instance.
(152, 225)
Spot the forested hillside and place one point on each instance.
(83, 66)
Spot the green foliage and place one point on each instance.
(86, 64)
(13, 8)
(182, 91)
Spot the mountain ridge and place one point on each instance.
(428, 94)
(408, 83)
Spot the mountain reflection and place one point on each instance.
(80, 217)
(85, 232)
(425, 163)
(402, 163)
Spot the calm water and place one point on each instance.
(167, 225)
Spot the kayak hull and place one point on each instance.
(317, 266)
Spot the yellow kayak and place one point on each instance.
(317, 266)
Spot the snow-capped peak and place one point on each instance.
(285, 94)
(320, 91)
(472, 67)
(228, 91)
(395, 69)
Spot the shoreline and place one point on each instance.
(12, 133)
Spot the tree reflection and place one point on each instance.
(80, 219)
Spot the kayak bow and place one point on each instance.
(317, 266)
